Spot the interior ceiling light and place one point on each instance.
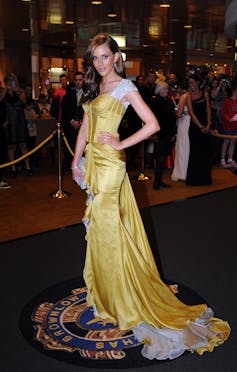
(25, 29)
(120, 40)
(96, 2)
(69, 22)
(56, 69)
(188, 26)
(55, 19)
(112, 14)
(165, 5)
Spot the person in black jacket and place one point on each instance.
(3, 137)
(72, 114)
(164, 109)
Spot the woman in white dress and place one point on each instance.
(182, 139)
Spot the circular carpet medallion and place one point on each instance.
(58, 323)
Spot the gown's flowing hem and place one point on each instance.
(166, 343)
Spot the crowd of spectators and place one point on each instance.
(19, 120)
(191, 111)
(195, 114)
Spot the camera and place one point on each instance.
(225, 80)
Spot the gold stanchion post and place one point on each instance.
(59, 194)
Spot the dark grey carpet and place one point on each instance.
(196, 239)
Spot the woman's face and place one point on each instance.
(215, 83)
(104, 60)
(193, 84)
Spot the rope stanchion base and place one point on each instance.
(142, 177)
(60, 194)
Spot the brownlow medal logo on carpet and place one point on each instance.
(71, 326)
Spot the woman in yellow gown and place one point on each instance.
(124, 285)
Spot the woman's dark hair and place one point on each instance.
(195, 77)
(92, 78)
(183, 84)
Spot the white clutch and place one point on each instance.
(81, 181)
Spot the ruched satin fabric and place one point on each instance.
(120, 272)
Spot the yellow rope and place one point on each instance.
(67, 144)
(219, 135)
(41, 144)
(50, 137)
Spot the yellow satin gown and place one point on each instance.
(120, 272)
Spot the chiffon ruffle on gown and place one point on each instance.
(121, 276)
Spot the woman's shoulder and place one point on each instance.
(183, 97)
(124, 87)
(127, 85)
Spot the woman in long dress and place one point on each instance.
(200, 158)
(182, 146)
(123, 283)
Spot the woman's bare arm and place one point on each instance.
(80, 146)
(150, 126)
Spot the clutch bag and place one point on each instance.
(81, 181)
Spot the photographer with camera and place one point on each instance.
(14, 101)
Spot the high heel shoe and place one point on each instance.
(13, 173)
(27, 172)
(163, 185)
(156, 186)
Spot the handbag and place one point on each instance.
(81, 181)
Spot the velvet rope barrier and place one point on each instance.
(27, 154)
(50, 137)
(60, 193)
(66, 143)
(219, 135)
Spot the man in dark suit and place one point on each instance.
(164, 109)
(72, 114)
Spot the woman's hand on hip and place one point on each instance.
(107, 138)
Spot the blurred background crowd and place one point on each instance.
(197, 114)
